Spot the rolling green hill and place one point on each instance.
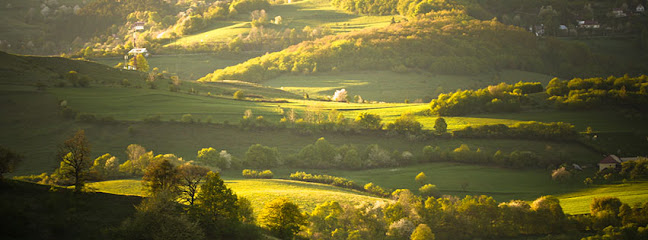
(33, 211)
(259, 192)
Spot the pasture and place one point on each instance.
(391, 86)
(312, 13)
(187, 66)
(34, 127)
(578, 202)
(461, 179)
(259, 192)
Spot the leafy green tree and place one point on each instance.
(324, 220)
(440, 126)
(212, 157)
(161, 176)
(74, 155)
(259, 156)
(421, 179)
(105, 166)
(605, 204)
(239, 95)
(429, 190)
(406, 123)
(216, 207)
(8, 161)
(190, 177)
(282, 217)
(422, 232)
(369, 121)
(158, 218)
(139, 61)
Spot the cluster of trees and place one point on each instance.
(464, 154)
(265, 174)
(323, 154)
(558, 131)
(596, 93)
(318, 120)
(211, 209)
(325, 179)
(444, 42)
(495, 98)
(394, 7)
(409, 216)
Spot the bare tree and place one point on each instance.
(191, 175)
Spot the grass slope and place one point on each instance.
(28, 70)
(33, 126)
(261, 191)
(186, 66)
(313, 13)
(500, 183)
(579, 202)
(395, 87)
(32, 211)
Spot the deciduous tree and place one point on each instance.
(190, 177)
(74, 155)
(282, 217)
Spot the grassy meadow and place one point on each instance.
(187, 66)
(312, 13)
(391, 86)
(578, 202)
(500, 183)
(259, 192)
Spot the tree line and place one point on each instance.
(576, 94)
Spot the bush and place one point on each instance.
(325, 179)
(265, 174)
(429, 190)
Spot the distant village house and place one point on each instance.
(136, 51)
(139, 26)
(612, 161)
(640, 8)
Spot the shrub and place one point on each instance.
(265, 174)
(429, 190)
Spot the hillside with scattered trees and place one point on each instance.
(444, 42)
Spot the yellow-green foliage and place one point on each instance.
(579, 202)
(452, 43)
(260, 192)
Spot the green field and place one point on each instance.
(259, 192)
(313, 13)
(34, 127)
(579, 202)
(187, 66)
(500, 183)
(396, 87)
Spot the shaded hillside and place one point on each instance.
(29, 70)
(33, 211)
(442, 42)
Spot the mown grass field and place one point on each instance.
(390, 86)
(578, 202)
(259, 192)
